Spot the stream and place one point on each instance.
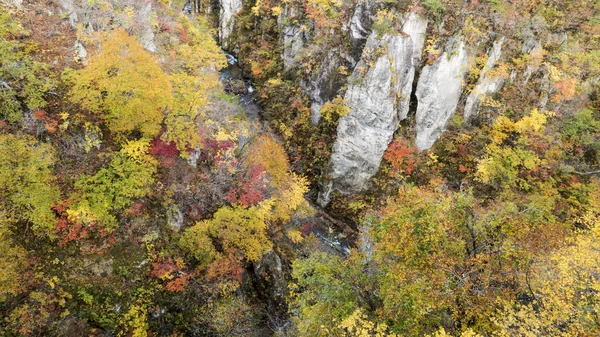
(335, 237)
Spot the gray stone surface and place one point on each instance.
(292, 36)
(378, 95)
(227, 11)
(322, 85)
(81, 51)
(146, 35)
(271, 280)
(486, 85)
(293, 42)
(438, 91)
(360, 20)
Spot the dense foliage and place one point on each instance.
(140, 197)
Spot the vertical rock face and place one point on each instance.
(359, 26)
(486, 85)
(438, 91)
(291, 35)
(271, 280)
(378, 96)
(360, 20)
(227, 11)
(293, 42)
(414, 28)
(324, 84)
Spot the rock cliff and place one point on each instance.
(438, 91)
(486, 84)
(378, 95)
(227, 11)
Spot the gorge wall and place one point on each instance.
(388, 65)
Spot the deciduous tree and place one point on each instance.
(124, 85)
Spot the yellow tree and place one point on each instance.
(12, 262)
(124, 85)
(564, 288)
(27, 185)
(194, 74)
(243, 229)
(289, 188)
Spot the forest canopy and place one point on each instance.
(258, 168)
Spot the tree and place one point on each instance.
(564, 290)
(124, 85)
(415, 248)
(12, 262)
(288, 188)
(516, 152)
(22, 80)
(237, 227)
(27, 184)
(193, 77)
(128, 176)
(326, 293)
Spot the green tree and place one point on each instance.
(127, 177)
(327, 291)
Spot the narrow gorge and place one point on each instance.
(299, 168)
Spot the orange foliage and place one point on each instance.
(401, 156)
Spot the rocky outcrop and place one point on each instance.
(326, 81)
(486, 85)
(71, 12)
(292, 36)
(16, 3)
(359, 26)
(438, 91)
(146, 35)
(93, 20)
(271, 281)
(378, 96)
(81, 51)
(175, 217)
(227, 11)
(293, 42)
(324, 84)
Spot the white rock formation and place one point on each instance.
(378, 96)
(359, 19)
(16, 3)
(146, 35)
(227, 11)
(486, 85)
(71, 11)
(438, 91)
(81, 51)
